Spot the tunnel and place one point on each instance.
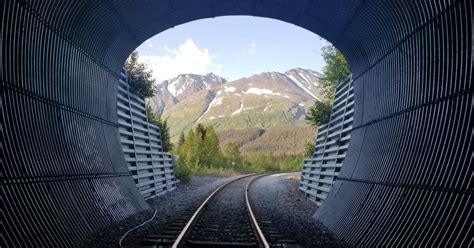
(407, 177)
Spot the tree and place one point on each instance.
(232, 153)
(211, 152)
(198, 151)
(319, 113)
(201, 130)
(156, 120)
(181, 140)
(189, 152)
(335, 71)
(139, 76)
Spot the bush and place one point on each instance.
(182, 172)
(292, 163)
(319, 113)
(220, 172)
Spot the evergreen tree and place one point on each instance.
(156, 120)
(212, 155)
(188, 153)
(232, 153)
(335, 71)
(181, 140)
(201, 130)
(139, 76)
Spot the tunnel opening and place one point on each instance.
(407, 171)
(272, 84)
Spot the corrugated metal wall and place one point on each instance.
(407, 176)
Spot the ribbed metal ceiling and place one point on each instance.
(407, 177)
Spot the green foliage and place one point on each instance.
(139, 76)
(211, 152)
(200, 129)
(182, 172)
(202, 155)
(335, 71)
(267, 162)
(232, 152)
(263, 162)
(156, 120)
(240, 137)
(309, 150)
(319, 113)
(201, 148)
(181, 140)
(220, 171)
(291, 163)
(281, 141)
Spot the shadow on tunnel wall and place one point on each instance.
(406, 179)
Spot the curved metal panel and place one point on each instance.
(407, 177)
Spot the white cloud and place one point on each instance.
(187, 58)
(148, 43)
(253, 48)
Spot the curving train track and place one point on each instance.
(224, 219)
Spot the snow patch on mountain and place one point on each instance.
(215, 102)
(172, 88)
(302, 75)
(229, 89)
(299, 84)
(266, 108)
(240, 109)
(257, 91)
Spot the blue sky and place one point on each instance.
(232, 47)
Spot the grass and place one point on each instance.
(218, 172)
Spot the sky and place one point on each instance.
(232, 47)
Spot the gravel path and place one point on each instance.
(169, 207)
(274, 197)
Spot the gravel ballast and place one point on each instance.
(168, 206)
(225, 219)
(276, 198)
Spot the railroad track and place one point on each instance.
(224, 219)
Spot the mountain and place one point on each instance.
(306, 79)
(172, 91)
(279, 141)
(262, 101)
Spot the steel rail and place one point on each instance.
(191, 221)
(252, 216)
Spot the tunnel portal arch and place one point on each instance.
(407, 178)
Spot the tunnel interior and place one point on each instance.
(406, 180)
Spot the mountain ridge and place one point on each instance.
(172, 91)
(266, 100)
